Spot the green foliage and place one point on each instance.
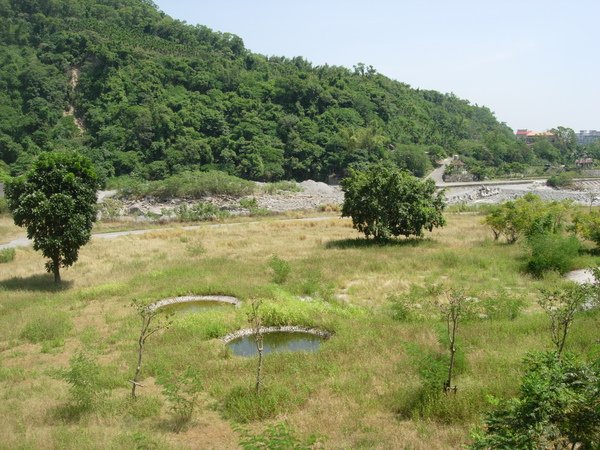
(85, 384)
(243, 404)
(560, 180)
(587, 225)
(110, 209)
(7, 255)
(557, 407)
(551, 252)
(51, 327)
(156, 97)
(281, 269)
(252, 205)
(4, 206)
(56, 202)
(281, 187)
(433, 370)
(182, 394)
(199, 212)
(560, 305)
(191, 185)
(279, 436)
(412, 158)
(385, 202)
(527, 216)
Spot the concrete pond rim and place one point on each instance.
(227, 299)
(324, 334)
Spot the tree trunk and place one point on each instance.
(56, 270)
(259, 347)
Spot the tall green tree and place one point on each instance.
(385, 202)
(56, 201)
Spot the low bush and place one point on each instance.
(192, 185)
(281, 269)
(557, 407)
(85, 387)
(7, 255)
(551, 252)
(252, 206)
(562, 179)
(199, 212)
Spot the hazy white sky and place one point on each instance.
(535, 63)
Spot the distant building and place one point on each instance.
(585, 163)
(585, 137)
(530, 136)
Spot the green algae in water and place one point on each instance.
(279, 341)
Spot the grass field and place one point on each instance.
(374, 384)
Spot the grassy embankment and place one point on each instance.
(373, 385)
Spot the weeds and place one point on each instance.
(52, 328)
(182, 392)
(279, 436)
(202, 211)
(85, 389)
(7, 255)
(281, 269)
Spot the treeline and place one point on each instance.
(156, 96)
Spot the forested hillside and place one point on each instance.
(144, 94)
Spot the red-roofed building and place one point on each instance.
(530, 136)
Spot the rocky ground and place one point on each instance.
(582, 192)
(313, 195)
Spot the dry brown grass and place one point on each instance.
(349, 402)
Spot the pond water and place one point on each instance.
(279, 341)
(195, 306)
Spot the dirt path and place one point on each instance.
(24, 242)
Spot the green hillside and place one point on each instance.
(153, 96)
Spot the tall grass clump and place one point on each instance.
(279, 187)
(243, 404)
(281, 269)
(4, 206)
(51, 327)
(277, 436)
(202, 211)
(7, 255)
(551, 251)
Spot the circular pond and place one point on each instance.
(276, 339)
(195, 303)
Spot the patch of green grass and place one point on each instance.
(242, 404)
(52, 327)
(7, 255)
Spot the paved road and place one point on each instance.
(437, 174)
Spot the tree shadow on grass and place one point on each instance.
(38, 283)
(367, 243)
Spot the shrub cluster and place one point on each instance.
(192, 185)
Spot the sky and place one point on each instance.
(536, 64)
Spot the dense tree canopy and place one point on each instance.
(154, 96)
(385, 202)
(56, 202)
